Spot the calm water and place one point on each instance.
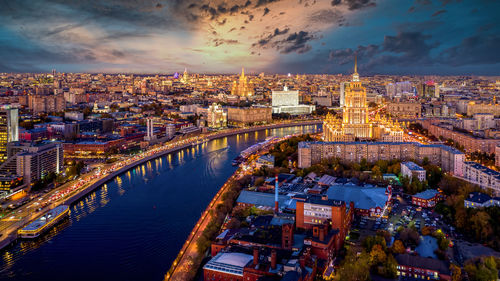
(133, 227)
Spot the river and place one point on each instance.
(132, 227)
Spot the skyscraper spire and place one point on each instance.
(355, 63)
(355, 75)
(242, 72)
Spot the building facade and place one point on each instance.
(469, 142)
(404, 110)
(9, 129)
(249, 115)
(242, 87)
(483, 176)
(33, 161)
(450, 159)
(288, 102)
(216, 117)
(410, 169)
(355, 123)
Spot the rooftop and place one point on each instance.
(478, 197)
(412, 166)
(231, 263)
(261, 198)
(426, 194)
(363, 198)
(422, 262)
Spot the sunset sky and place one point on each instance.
(273, 36)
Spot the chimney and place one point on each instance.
(273, 259)
(255, 256)
(322, 234)
(276, 204)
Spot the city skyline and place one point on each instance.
(415, 37)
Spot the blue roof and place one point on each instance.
(363, 197)
(427, 246)
(478, 197)
(260, 198)
(427, 194)
(412, 166)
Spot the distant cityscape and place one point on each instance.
(385, 190)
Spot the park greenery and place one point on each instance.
(287, 150)
(482, 269)
(480, 224)
(374, 258)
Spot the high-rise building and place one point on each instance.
(33, 161)
(49, 103)
(242, 87)
(185, 77)
(398, 88)
(342, 94)
(217, 117)
(355, 123)
(9, 129)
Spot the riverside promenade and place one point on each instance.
(185, 262)
(71, 192)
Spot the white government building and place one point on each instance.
(288, 102)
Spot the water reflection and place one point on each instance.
(148, 213)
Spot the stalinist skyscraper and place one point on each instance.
(355, 124)
(242, 87)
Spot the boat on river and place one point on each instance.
(44, 222)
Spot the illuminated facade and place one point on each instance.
(355, 123)
(216, 117)
(242, 87)
(9, 129)
(185, 77)
(287, 101)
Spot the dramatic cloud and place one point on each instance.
(481, 49)
(272, 35)
(296, 42)
(354, 4)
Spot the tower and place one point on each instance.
(355, 75)
(242, 87)
(276, 190)
(149, 129)
(9, 129)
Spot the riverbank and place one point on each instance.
(10, 233)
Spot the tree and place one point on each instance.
(355, 268)
(481, 225)
(377, 174)
(398, 247)
(377, 255)
(390, 268)
(426, 230)
(456, 272)
(483, 269)
(371, 241)
(409, 235)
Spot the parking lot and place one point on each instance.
(403, 214)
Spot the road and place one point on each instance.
(182, 266)
(72, 191)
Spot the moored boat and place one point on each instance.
(44, 223)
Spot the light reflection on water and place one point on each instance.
(133, 226)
